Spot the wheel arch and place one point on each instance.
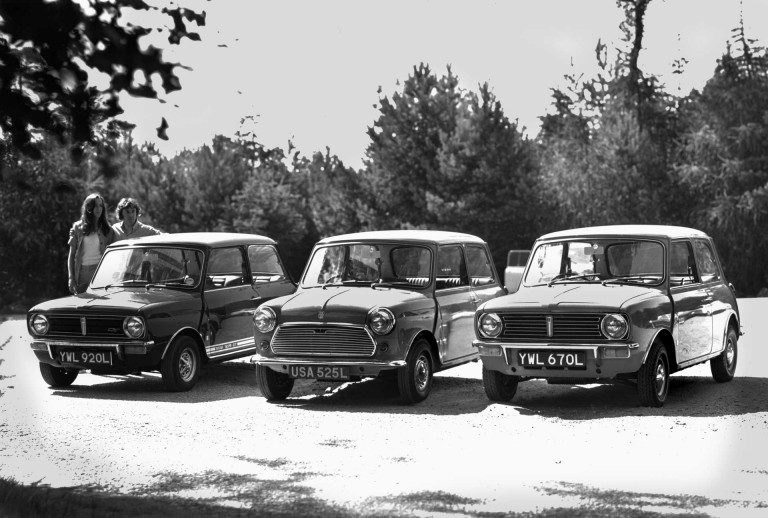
(664, 336)
(733, 321)
(429, 337)
(191, 333)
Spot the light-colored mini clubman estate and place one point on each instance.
(399, 302)
(626, 301)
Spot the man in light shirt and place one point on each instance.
(129, 226)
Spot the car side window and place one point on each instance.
(225, 268)
(451, 268)
(265, 264)
(479, 266)
(683, 266)
(705, 258)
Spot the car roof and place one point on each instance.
(199, 239)
(415, 236)
(665, 231)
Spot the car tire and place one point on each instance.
(723, 366)
(414, 380)
(499, 386)
(181, 366)
(275, 386)
(58, 377)
(653, 377)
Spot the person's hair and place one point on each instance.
(90, 224)
(127, 203)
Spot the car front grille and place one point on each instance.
(556, 327)
(329, 341)
(72, 326)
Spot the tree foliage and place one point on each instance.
(606, 149)
(50, 52)
(615, 148)
(723, 160)
(442, 156)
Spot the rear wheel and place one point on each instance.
(415, 379)
(56, 376)
(181, 366)
(499, 386)
(653, 377)
(273, 385)
(723, 367)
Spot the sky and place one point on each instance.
(309, 72)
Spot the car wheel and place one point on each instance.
(415, 379)
(273, 385)
(181, 366)
(723, 367)
(653, 377)
(56, 376)
(499, 386)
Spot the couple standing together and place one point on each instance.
(91, 234)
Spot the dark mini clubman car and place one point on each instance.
(626, 301)
(397, 302)
(167, 303)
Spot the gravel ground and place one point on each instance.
(353, 450)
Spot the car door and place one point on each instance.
(718, 293)
(692, 313)
(455, 305)
(229, 301)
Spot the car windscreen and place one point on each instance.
(621, 260)
(369, 263)
(139, 266)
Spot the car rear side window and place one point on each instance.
(479, 266)
(265, 263)
(705, 258)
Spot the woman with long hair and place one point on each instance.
(88, 238)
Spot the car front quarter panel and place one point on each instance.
(647, 316)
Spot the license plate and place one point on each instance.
(552, 359)
(318, 372)
(86, 357)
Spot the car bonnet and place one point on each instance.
(345, 304)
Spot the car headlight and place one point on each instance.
(40, 324)
(490, 325)
(264, 319)
(133, 327)
(381, 320)
(614, 326)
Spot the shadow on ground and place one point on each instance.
(222, 494)
(689, 396)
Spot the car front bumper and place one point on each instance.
(357, 368)
(106, 356)
(602, 361)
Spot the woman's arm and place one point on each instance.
(71, 266)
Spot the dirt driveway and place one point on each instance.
(352, 450)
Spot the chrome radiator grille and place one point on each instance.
(322, 341)
(563, 327)
(91, 326)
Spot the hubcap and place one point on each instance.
(730, 355)
(661, 378)
(186, 365)
(421, 373)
